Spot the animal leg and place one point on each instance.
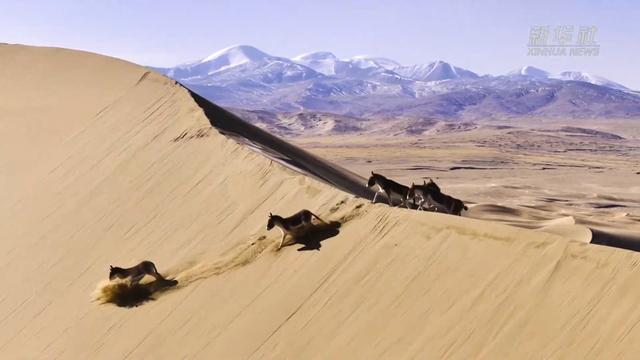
(156, 274)
(282, 241)
(388, 193)
(317, 217)
(432, 205)
(375, 197)
(405, 202)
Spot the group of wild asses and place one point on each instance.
(429, 196)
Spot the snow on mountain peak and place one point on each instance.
(586, 77)
(315, 56)
(530, 71)
(442, 71)
(443, 65)
(233, 56)
(238, 54)
(539, 74)
(435, 71)
(323, 62)
(366, 61)
(328, 64)
(244, 62)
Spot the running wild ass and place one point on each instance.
(435, 199)
(293, 225)
(136, 273)
(388, 187)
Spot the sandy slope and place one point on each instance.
(103, 163)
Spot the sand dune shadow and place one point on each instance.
(316, 234)
(125, 294)
(613, 239)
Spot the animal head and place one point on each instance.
(372, 179)
(412, 191)
(431, 185)
(270, 223)
(115, 272)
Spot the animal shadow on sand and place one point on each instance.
(316, 234)
(127, 294)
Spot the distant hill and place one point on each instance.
(245, 77)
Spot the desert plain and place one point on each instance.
(532, 173)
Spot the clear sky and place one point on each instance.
(483, 36)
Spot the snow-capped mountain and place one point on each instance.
(536, 73)
(232, 56)
(328, 64)
(323, 62)
(358, 67)
(240, 64)
(435, 71)
(244, 77)
(530, 72)
(363, 66)
(365, 61)
(586, 77)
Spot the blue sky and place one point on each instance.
(484, 36)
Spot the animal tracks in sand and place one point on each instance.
(125, 294)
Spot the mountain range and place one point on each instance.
(244, 77)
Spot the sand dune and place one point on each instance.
(106, 163)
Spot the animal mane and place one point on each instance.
(375, 177)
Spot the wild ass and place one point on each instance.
(388, 187)
(435, 199)
(295, 224)
(136, 273)
(421, 193)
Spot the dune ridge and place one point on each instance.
(108, 163)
